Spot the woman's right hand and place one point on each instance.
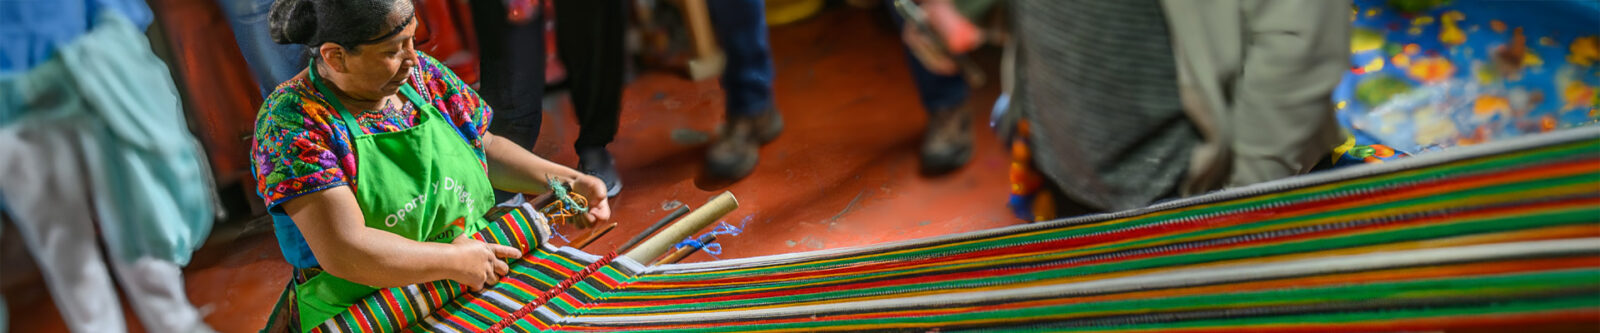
(479, 263)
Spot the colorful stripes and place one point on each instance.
(1482, 237)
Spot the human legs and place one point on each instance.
(590, 40)
(270, 62)
(947, 140)
(511, 76)
(751, 118)
(62, 239)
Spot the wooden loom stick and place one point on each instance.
(592, 235)
(687, 250)
(709, 212)
(674, 215)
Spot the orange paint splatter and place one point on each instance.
(1488, 105)
(1584, 51)
(1497, 26)
(1401, 61)
(1476, 138)
(1382, 151)
(1431, 69)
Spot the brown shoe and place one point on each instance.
(733, 156)
(947, 142)
(768, 125)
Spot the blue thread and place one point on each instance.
(714, 248)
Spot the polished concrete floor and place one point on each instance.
(844, 173)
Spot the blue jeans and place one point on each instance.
(937, 92)
(741, 27)
(271, 63)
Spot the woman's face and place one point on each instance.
(379, 69)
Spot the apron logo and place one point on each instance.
(400, 215)
(450, 232)
(461, 196)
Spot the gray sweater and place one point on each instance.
(1253, 83)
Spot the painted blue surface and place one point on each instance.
(1535, 95)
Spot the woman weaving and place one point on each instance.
(375, 162)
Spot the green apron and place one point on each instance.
(423, 183)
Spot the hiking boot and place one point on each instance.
(947, 142)
(596, 161)
(768, 125)
(733, 156)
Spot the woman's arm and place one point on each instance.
(333, 226)
(515, 169)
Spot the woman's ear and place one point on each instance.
(333, 55)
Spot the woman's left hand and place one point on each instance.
(595, 190)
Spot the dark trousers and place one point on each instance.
(511, 71)
(589, 37)
(937, 92)
(741, 27)
(510, 74)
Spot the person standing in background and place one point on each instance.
(589, 39)
(752, 119)
(105, 183)
(511, 53)
(1126, 103)
(270, 63)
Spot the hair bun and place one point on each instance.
(292, 21)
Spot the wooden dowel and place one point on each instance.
(674, 215)
(710, 212)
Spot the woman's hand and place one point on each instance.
(595, 190)
(479, 265)
(515, 169)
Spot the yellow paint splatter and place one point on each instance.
(1415, 31)
(1373, 12)
(1547, 41)
(1373, 66)
(1362, 40)
(1531, 59)
(1497, 26)
(1422, 21)
(1485, 76)
(1449, 33)
(1584, 51)
(1349, 142)
(1576, 94)
(1340, 105)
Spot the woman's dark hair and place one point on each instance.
(349, 23)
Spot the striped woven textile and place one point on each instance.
(1495, 237)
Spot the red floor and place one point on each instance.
(844, 173)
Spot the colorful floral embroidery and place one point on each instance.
(301, 148)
